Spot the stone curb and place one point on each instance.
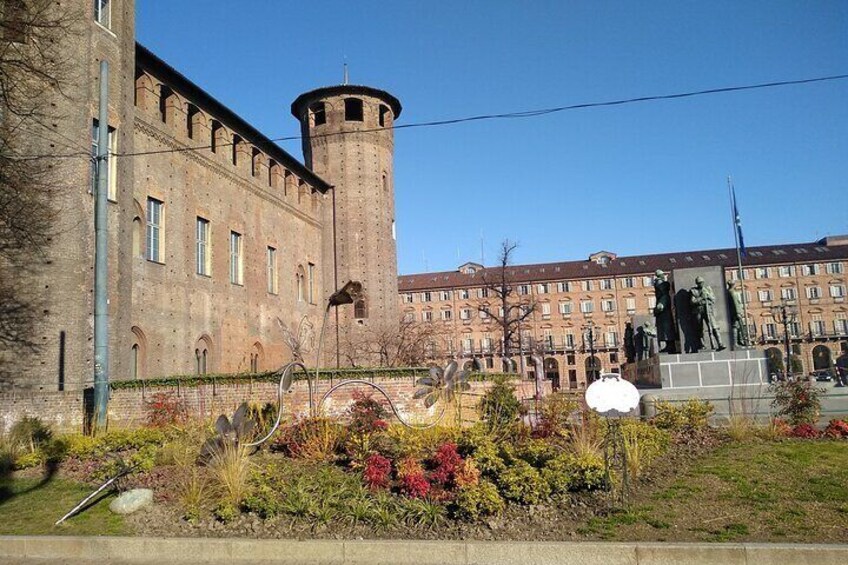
(24, 549)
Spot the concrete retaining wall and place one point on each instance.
(35, 549)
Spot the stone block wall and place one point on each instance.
(65, 411)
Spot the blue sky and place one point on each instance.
(632, 179)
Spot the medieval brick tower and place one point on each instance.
(348, 141)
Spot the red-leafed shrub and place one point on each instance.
(377, 471)
(415, 485)
(805, 431)
(447, 460)
(165, 410)
(366, 414)
(836, 429)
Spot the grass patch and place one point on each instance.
(30, 508)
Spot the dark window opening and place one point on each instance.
(164, 93)
(319, 114)
(353, 110)
(383, 111)
(215, 127)
(192, 112)
(236, 141)
(360, 310)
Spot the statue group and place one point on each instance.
(701, 316)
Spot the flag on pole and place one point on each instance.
(738, 221)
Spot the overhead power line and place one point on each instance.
(519, 114)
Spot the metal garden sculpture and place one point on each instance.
(442, 384)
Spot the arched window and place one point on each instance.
(137, 354)
(134, 362)
(300, 284)
(360, 309)
(216, 131)
(136, 237)
(821, 358)
(256, 355)
(201, 354)
(353, 109)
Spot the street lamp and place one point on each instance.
(785, 315)
(589, 331)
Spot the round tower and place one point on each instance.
(348, 141)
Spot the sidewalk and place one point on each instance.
(80, 550)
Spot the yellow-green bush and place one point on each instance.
(693, 414)
(420, 443)
(570, 472)
(474, 501)
(523, 483)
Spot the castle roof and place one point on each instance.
(828, 249)
(178, 82)
(342, 89)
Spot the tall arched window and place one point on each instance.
(134, 362)
(201, 354)
(300, 284)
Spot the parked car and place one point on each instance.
(822, 375)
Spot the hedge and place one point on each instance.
(273, 376)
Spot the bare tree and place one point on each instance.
(404, 344)
(300, 341)
(502, 302)
(34, 77)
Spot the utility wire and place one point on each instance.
(527, 113)
(509, 115)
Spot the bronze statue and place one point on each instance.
(662, 312)
(629, 343)
(703, 310)
(740, 328)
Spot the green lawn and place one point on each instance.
(792, 491)
(29, 507)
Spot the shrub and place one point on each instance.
(377, 473)
(556, 411)
(586, 439)
(499, 407)
(29, 434)
(165, 409)
(81, 446)
(467, 473)
(690, 416)
(366, 414)
(797, 400)
(523, 483)
(836, 429)
(415, 485)
(315, 439)
(488, 458)
(476, 500)
(123, 440)
(805, 431)
(192, 490)
(28, 460)
(446, 461)
(418, 443)
(536, 452)
(570, 472)
(264, 501)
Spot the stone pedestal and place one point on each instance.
(710, 369)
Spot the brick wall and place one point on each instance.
(128, 407)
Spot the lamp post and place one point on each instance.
(785, 315)
(589, 329)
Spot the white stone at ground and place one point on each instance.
(132, 500)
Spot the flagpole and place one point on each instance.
(734, 212)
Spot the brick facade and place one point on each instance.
(809, 277)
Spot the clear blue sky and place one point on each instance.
(632, 179)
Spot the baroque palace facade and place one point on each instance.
(217, 238)
(605, 292)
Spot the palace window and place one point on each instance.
(813, 292)
(809, 270)
(427, 316)
(463, 294)
(426, 296)
(465, 314)
(154, 230)
(586, 285)
(837, 291)
(204, 262)
(788, 293)
(564, 286)
(546, 309)
(606, 284)
(630, 304)
(103, 13)
(445, 295)
(764, 295)
(587, 306)
(271, 260)
(608, 305)
(543, 288)
(236, 258)
(628, 282)
(763, 272)
(524, 289)
(447, 315)
(565, 308)
(408, 298)
(834, 268)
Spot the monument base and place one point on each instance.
(743, 367)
